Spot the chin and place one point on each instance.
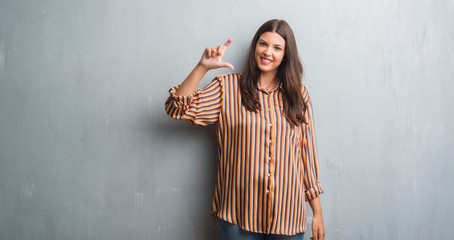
(267, 69)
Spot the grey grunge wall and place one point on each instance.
(87, 151)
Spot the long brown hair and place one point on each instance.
(290, 73)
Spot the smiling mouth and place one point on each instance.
(265, 60)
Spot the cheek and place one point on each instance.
(257, 52)
(280, 56)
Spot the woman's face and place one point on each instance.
(269, 52)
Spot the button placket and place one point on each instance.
(270, 162)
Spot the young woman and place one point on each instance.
(266, 144)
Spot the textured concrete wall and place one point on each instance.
(87, 152)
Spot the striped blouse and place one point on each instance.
(267, 168)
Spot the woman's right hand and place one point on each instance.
(212, 57)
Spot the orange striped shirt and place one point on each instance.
(267, 168)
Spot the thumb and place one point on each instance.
(227, 65)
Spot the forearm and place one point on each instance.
(190, 84)
(316, 206)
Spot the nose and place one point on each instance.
(268, 51)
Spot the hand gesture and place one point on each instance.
(212, 57)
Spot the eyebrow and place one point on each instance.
(261, 39)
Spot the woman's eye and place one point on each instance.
(262, 44)
(277, 48)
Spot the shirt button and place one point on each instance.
(268, 109)
(267, 191)
(270, 125)
(268, 174)
(269, 141)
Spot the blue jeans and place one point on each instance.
(231, 231)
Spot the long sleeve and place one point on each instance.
(310, 162)
(200, 108)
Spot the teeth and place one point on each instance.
(266, 60)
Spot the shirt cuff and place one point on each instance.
(179, 99)
(314, 192)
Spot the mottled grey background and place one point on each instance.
(87, 152)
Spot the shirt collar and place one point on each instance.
(279, 86)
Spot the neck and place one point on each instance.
(268, 79)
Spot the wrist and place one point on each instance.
(202, 67)
(317, 214)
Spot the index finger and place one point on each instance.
(228, 42)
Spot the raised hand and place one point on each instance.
(212, 57)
